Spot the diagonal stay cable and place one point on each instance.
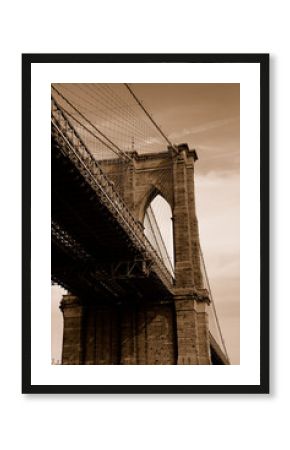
(88, 130)
(154, 236)
(89, 122)
(148, 114)
(115, 202)
(163, 246)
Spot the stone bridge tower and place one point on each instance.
(159, 332)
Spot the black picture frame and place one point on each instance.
(263, 61)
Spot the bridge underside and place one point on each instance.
(118, 310)
(92, 255)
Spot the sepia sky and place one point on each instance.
(207, 117)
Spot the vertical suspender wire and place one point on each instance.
(148, 115)
(88, 121)
(88, 130)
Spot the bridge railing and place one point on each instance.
(72, 144)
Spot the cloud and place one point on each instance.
(206, 116)
(203, 128)
(218, 212)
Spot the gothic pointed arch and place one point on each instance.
(158, 228)
(151, 193)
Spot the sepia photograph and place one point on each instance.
(145, 223)
(149, 250)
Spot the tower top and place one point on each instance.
(172, 150)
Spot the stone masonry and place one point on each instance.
(157, 332)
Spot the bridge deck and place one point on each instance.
(94, 233)
(99, 250)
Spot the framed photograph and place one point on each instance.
(145, 223)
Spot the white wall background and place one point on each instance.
(232, 421)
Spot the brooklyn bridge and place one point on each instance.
(128, 300)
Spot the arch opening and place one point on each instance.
(159, 230)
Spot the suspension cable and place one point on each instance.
(148, 114)
(213, 304)
(89, 122)
(87, 129)
(154, 236)
(155, 223)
